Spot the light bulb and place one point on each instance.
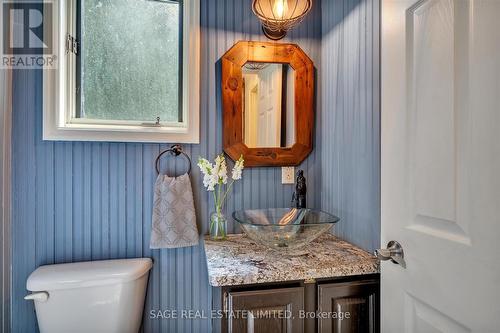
(280, 8)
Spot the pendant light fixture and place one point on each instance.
(279, 16)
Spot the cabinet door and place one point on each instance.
(262, 311)
(350, 307)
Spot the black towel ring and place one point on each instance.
(175, 150)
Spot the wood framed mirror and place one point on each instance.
(268, 103)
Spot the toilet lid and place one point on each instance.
(87, 274)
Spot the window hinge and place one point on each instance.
(71, 44)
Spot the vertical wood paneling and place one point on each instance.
(350, 111)
(5, 197)
(80, 201)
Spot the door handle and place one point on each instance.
(394, 252)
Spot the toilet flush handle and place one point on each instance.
(41, 296)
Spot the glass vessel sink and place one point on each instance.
(284, 228)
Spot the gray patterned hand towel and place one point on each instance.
(174, 219)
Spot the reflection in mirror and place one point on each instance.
(268, 105)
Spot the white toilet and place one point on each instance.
(95, 296)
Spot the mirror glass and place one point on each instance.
(268, 105)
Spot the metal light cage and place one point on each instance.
(279, 16)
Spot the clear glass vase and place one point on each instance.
(218, 226)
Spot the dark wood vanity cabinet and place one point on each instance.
(273, 310)
(348, 305)
(357, 301)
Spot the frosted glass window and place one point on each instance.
(130, 60)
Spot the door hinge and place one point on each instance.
(71, 44)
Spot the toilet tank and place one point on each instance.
(94, 296)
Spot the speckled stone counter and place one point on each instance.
(239, 260)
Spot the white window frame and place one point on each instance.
(59, 96)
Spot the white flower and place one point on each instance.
(215, 175)
(223, 171)
(220, 169)
(209, 178)
(205, 166)
(238, 169)
(209, 181)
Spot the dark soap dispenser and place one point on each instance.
(299, 196)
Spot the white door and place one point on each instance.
(269, 121)
(441, 165)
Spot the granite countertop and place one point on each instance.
(239, 260)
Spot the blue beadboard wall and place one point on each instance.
(82, 201)
(350, 118)
(76, 201)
